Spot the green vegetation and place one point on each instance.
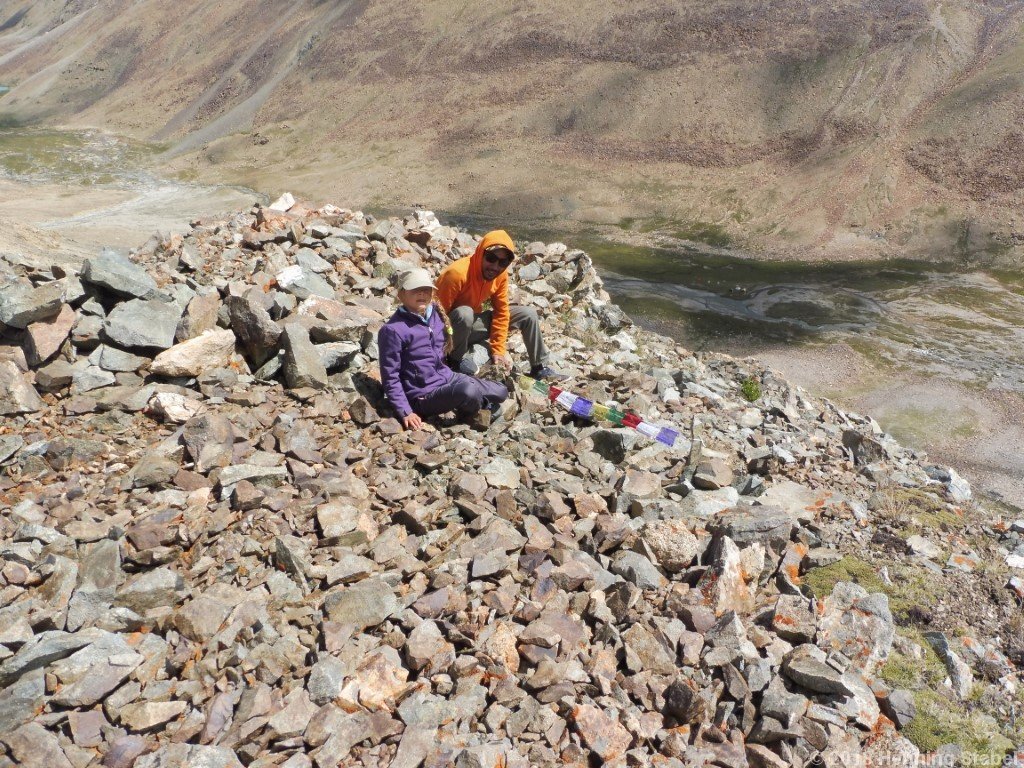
(915, 509)
(941, 721)
(902, 671)
(751, 389)
(78, 157)
(911, 587)
(704, 232)
(821, 581)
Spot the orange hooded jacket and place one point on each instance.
(462, 284)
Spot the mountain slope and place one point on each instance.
(836, 129)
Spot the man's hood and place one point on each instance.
(494, 237)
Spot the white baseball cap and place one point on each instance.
(412, 279)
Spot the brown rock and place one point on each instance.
(602, 734)
(246, 496)
(199, 317)
(44, 339)
(16, 394)
(211, 349)
(713, 474)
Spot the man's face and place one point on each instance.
(496, 260)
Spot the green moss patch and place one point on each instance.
(941, 721)
(911, 588)
(704, 232)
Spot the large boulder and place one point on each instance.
(857, 624)
(330, 320)
(43, 339)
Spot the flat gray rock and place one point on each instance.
(45, 649)
(22, 305)
(143, 324)
(118, 274)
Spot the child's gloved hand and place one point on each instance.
(413, 421)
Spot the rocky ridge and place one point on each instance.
(220, 549)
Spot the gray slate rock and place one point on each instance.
(770, 526)
(858, 625)
(805, 667)
(113, 359)
(20, 306)
(254, 328)
(44, 649)
(302, 364)
(88, 675)
(189, 756)
(209, 440)
(899, 707)
(20, 700)
(637, 569)
(960, 674)
(118, 274)
(143, 324)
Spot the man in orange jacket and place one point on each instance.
(462, 290)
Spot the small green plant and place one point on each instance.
(751, 389)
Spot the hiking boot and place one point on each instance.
(544, 373)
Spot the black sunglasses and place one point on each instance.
(493, 258)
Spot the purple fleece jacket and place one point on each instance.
(411, 358)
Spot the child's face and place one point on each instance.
(417, 300)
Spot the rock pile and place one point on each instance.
(220, 549)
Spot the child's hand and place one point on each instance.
(413, 421)
(503, 363)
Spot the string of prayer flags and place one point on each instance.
(668, 436)
(649, 430)
(587, 409)
(566, 400)
(631, 420)
(582, 407)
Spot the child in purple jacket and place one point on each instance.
(413, 345)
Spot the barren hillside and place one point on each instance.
(837, 129)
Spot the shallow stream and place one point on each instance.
(961, 323)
